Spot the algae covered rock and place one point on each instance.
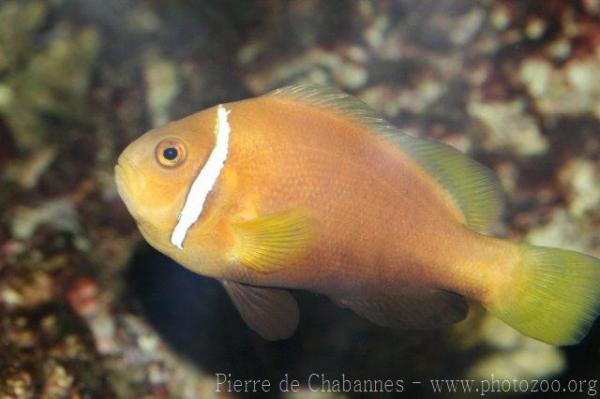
(46, 80)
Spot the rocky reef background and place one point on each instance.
(87, 310)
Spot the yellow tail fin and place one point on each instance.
(554, 296)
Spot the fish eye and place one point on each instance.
(170, 153)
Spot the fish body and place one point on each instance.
(306, 188)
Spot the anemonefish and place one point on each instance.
(307, 188)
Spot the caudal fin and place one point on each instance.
(554, 296)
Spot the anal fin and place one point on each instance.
(429, 310)
(273, 313)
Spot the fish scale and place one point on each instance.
(317, 192)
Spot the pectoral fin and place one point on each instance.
(424, 311)
(267, 244)
(271, 312)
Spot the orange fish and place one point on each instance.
(307, 188)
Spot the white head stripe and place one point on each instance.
(205, 181)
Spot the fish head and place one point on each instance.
(154, 173)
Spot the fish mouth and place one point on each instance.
(120, 179)
(123, 177)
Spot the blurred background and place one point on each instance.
(88, 310)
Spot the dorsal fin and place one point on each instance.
(472, 186)
(332, 98)
(474, 189)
